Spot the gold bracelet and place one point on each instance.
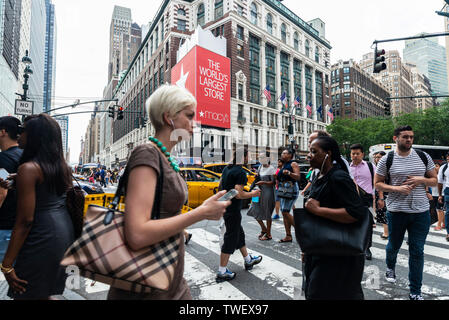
(6, 270)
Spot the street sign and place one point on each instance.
(24, 108)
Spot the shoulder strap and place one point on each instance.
(444, 169)
(371, 169)
(155, 215)
(423, 157)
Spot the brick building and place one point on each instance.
(267, 43)
(357, 94)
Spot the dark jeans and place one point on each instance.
(446, 204)
(417, 225)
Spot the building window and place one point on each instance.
(181, 12)
(200, 15)
(284, 33)
(253, 13)
(181, 25)
(240, 10)
(346, 70)
(296, 41)
(240, 52)
(240, 92)
(307, 48)
(269, 23)
(317, 54)
(240, 33)
(218, 9)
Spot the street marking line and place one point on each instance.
(429, 250)
(97, 287)
(276, 274)
(200, 276)
(431, 268)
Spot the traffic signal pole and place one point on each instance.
(430, 35)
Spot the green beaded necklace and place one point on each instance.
(172, 161)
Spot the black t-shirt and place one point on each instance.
(9, 160)
(337, 190)
(232, 176)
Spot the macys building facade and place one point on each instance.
(266, 44)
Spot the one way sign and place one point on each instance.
(24, 108)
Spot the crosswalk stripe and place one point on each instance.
(431, 268)
(429, 250)
(280, 275)
(201, 277)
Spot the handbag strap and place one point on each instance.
(155, 215)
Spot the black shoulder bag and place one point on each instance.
(324, 237)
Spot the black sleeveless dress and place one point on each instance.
(39, 258)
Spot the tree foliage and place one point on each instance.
(431, 127)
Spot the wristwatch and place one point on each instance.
(382, 199)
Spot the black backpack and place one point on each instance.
(444, 168)
(390, 158)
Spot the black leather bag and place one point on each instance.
(286, 190)
(324, 237)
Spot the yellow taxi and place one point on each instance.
(219, 167)
(202, 184)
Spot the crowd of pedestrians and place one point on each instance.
(35, 222)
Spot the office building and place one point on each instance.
(267, 43)
(430, 59)
(357, 94)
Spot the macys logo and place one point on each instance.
(220, 117)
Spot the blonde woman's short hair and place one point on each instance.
(168, 98)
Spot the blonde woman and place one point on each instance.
(170, 108)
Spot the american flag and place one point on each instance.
(309, 108)
(267, 93)
(297, 101)
(330, 114)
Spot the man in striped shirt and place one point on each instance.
(409, 172)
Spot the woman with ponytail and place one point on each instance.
(333, 196)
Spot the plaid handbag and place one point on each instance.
(101, 254)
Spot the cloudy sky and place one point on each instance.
(351, 27)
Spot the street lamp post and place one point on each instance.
(291, 131)
(27, 72)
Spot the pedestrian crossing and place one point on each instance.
(279, 275)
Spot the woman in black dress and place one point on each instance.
(43, 230)
(333, 196)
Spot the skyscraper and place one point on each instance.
(430, 58)
(37, 54)
(120, 25)
(50, 56)
(10, 14)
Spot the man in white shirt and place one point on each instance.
(443, 191)
(408, 172)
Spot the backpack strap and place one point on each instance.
(390, 158)
(423, 157)
(371, 169)
(444, 170)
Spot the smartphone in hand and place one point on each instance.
(229, 196)
(4, 174)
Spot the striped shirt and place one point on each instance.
(402, 167)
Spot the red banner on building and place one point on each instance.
(207, 76)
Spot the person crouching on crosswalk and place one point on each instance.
(234, 177)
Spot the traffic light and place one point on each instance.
(379, 61)
(120, 115)
(111, 112)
